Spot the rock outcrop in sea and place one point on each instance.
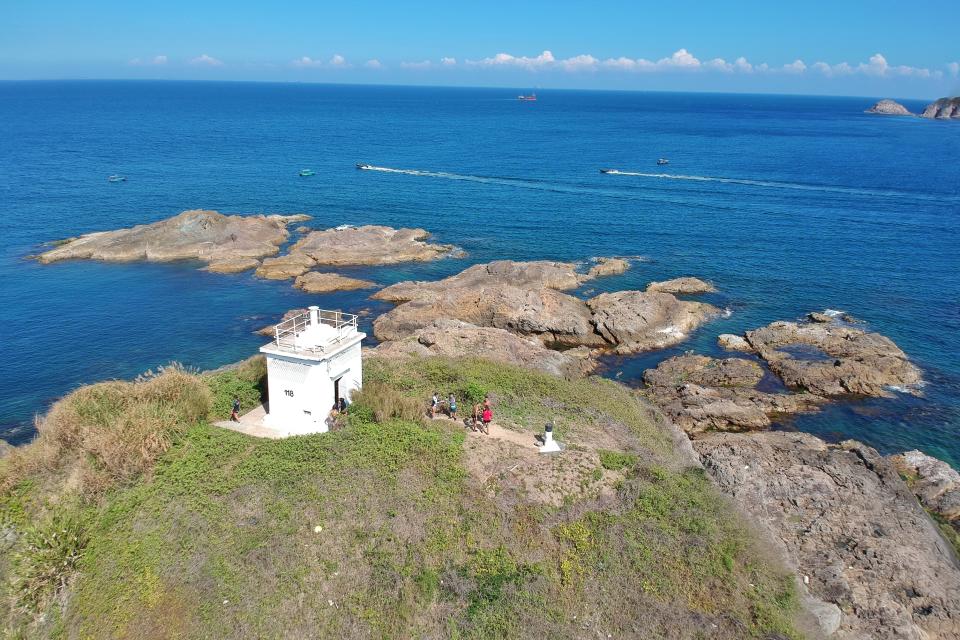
(455, 338)
(225, 242)
(367, 245)
(684, 286)
(889, 107)
(699, 393)
(320, 282)
(834, 359)
(936, 484)
(525, 298)
(871, 559)
(943, 109)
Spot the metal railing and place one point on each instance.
(285, 333)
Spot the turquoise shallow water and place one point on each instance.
(788, 204)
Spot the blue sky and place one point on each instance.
(878, 48)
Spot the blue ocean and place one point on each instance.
(788, 204)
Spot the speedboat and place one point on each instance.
(306, 172)
(530, 98)
(116, 178)
(364, 166)
(663, 161)
(608, 170)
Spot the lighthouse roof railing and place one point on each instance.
(299, 334)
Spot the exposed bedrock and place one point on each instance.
(543, 313)
(699, 393)
(608, 267)
(192, 235)
(936, 483)
(634, 321)
(534, 274)
(850, 526)
(369, 245)
(889, 107)
(686, 285)
(454, 338)
(943, 109)
(831, 359)
(320, 282)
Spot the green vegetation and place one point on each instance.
(246, 381)
(382, 528)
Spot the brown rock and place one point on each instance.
(935, 483)
(233, 265)
(845, 520)
(317, 282)
(681, 286)
(608, 267)
(889, 107)
(830, 359)
(453, 338)
(543, 313)
(303, 229)
(943, 109)
(285, 267)
(700, 393)
(535, 274)
(816, 316)
(636, 321)
(731, 342)
(192, 235)
(371, 245)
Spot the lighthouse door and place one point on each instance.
(336, 391)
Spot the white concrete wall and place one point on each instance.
(302, 391)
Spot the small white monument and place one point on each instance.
(312, 362)
(549, 444)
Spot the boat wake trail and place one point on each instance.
(521, 183)
(776, 185)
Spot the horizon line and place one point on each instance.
(450, 86)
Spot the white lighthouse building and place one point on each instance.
(312, 362)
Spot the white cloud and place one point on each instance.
(505, 59)
(205, 60)
(877, 67)
(307, 61)
(423, 64)
(797, 66)
(628, 64)
(582, 62)
(448, 62)
(953, 68)
(681, 59)
(373, 63)
(155, 60)
(338, 60)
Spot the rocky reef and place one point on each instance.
(699, 393)
(526, 298)
(834, 359)
(319, 282)
(873, 562)
(681, 286)
(889, 107)
(943, 109)
(936, 484)
(226, 242)
(455, 338)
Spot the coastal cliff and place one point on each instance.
(943, 109)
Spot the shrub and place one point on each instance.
(246, 381)
(113, 430)
(46, 561)
(616, 460)
(474, 393)
(382, 402)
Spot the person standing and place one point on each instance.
(235, 412)
(434, 403)
(452, 406)
(487, 418)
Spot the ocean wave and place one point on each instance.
(880, 193)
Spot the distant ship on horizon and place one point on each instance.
(528, 98)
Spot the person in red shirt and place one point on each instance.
(487, 418)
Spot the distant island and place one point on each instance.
(942, 109)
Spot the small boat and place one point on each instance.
(116, 178)
(529, 98)
(306, 172)
(364, 166)
(608, 170)
(663, 161)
